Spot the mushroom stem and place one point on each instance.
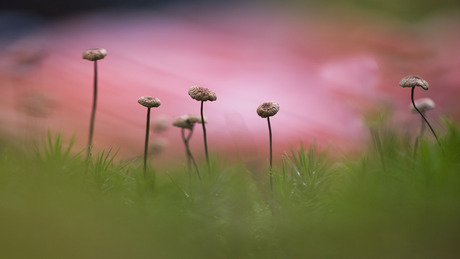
(421, 114)
(422, 126)
(271, 152)
(190, 158)
(93, 112)
(422, 131)
(185, 140)
(204, 135)
(147, 130)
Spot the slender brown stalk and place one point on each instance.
(204, 135)
(271, 153)
(417, 139)
(188, 122)
(422, 127)
(203, 94)
(149, 102)
(93, 55)
(93, 113)
(266, 110)
(147, 131)
(190, 158)
(184, 139)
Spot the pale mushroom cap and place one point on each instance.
(160, 123)
(413, 80)
(423, 104)
(188, 121)
(202, 94)
(159, 144)
(36, 104)
(268, 109)
(149, 101)
(94, 54)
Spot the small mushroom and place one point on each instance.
(203, 94)
(93, 55)
(413, 81)
(266, 110)
(149, 102)
(423, 105)
(188, 122)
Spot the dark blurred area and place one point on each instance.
(53, 9)
(26, 15)
(402, 9)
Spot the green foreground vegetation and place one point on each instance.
(384, 204)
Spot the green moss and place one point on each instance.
(55, 205)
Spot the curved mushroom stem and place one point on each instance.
(185, 140)
(190, 158)
(93, 112)
(271, 153)
(204, 135)
(423, 117)
(422, 126)
(147, 130)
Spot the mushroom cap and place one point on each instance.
(149, 101)
(423, 104)
(268, 109)
(188, 121)
(94, 54)
(159, 144)
(413, 80)
(202, 94)
(160, 123)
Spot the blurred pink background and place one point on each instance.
(325, 69)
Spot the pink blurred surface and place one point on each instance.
(325, 73)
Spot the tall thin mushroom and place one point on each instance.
(203, 94)
(149, 102)
(414, 81)
(266, 110)
(188, 122)
(93, 55)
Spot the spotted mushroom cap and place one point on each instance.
(412, 80)
(423, 104)
(202, 94)
(188, 121)
(268, 109)
(149, 101)
(94, 54)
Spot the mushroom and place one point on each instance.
(266, 110)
